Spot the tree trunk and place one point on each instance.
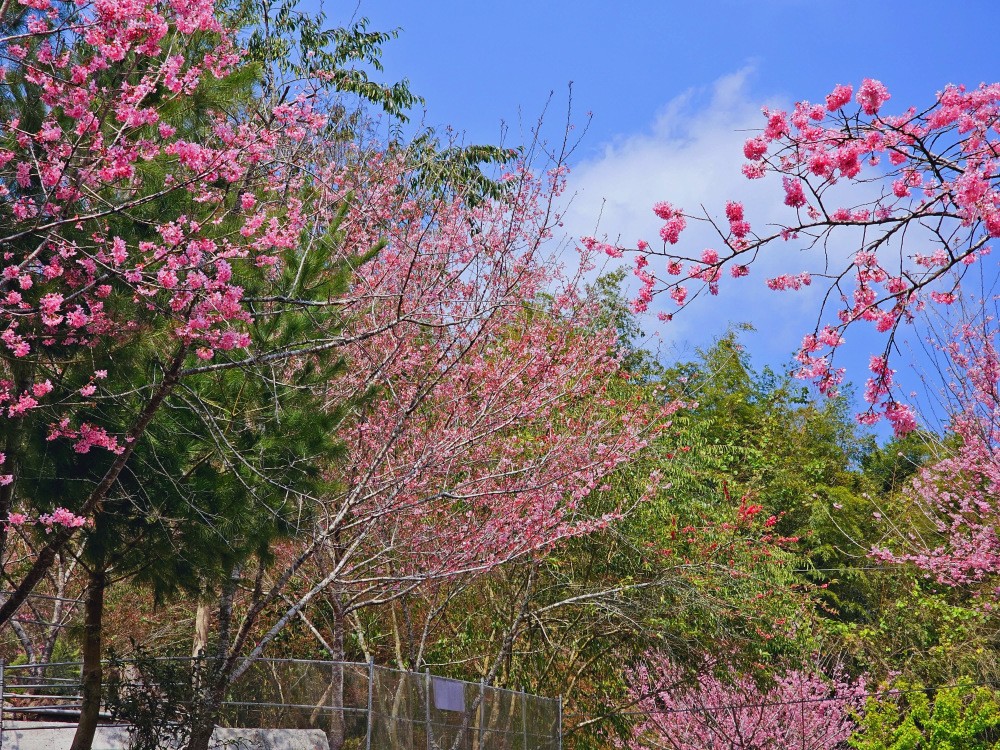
(91, 689)
(209, 701)
(213, 678)
(336, 730)
(202, 619)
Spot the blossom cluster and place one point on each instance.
(499, 419)
(58, 517)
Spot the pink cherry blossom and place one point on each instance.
(803, 709)
(839, 97)
(872, 95)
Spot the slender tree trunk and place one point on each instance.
(336, 730)
(6, 493)
(210, 688)
(26, 643)
(91, 692)
(63, 608)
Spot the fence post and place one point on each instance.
(482, 700)
(524, 717)
(371, 692)
(427, 703)
(3, 696)
(560, 722)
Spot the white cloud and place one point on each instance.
(691, 154)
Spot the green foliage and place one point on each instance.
(889, 466)
(912, 629)
(223, 468)
(442, 168)
(293, 43)
(962, 717)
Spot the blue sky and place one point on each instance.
(477, 63)
(672, 88)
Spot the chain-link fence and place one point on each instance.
(336, 705)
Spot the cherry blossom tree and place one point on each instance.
(803, 709)
(955, 538)
(914, 196)
(482, 414)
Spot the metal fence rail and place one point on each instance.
(354, 705)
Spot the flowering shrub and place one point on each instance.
(803, 709)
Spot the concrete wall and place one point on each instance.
(31, 735)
